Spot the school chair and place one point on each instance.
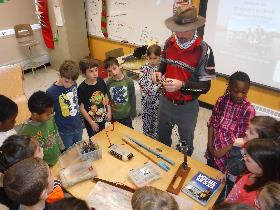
(24, 35)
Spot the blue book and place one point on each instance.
(201, 188)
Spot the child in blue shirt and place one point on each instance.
(66, 107)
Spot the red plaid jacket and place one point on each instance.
(230, 121)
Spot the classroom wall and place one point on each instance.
(257, 95)
(72, 36)
(75, 22)
(61, 48)
(12, 13)
(11, 52)
(73, 41)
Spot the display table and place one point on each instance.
(115, 170)
(132, 68)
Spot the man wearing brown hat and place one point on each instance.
(188, 66)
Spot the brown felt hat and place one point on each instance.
(184, 20)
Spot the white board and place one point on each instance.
(134, 21)
(245, 36)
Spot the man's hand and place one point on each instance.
(157, 76)
(172, 85)
(94, 126)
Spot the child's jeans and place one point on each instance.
(69, 138)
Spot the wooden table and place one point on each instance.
(112, 169)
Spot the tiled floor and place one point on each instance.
(43, 79)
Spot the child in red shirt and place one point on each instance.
(262, 159)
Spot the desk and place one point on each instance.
(112, 169)
(132, 68)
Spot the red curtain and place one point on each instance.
(45, 24)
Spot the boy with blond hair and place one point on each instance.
(66, 107)
(151, 198)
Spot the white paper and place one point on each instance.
(58, 16)
(57, 13)
(105, 196)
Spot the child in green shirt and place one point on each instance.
(42, 126)
(121, 93)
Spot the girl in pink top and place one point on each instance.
(262, 159)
